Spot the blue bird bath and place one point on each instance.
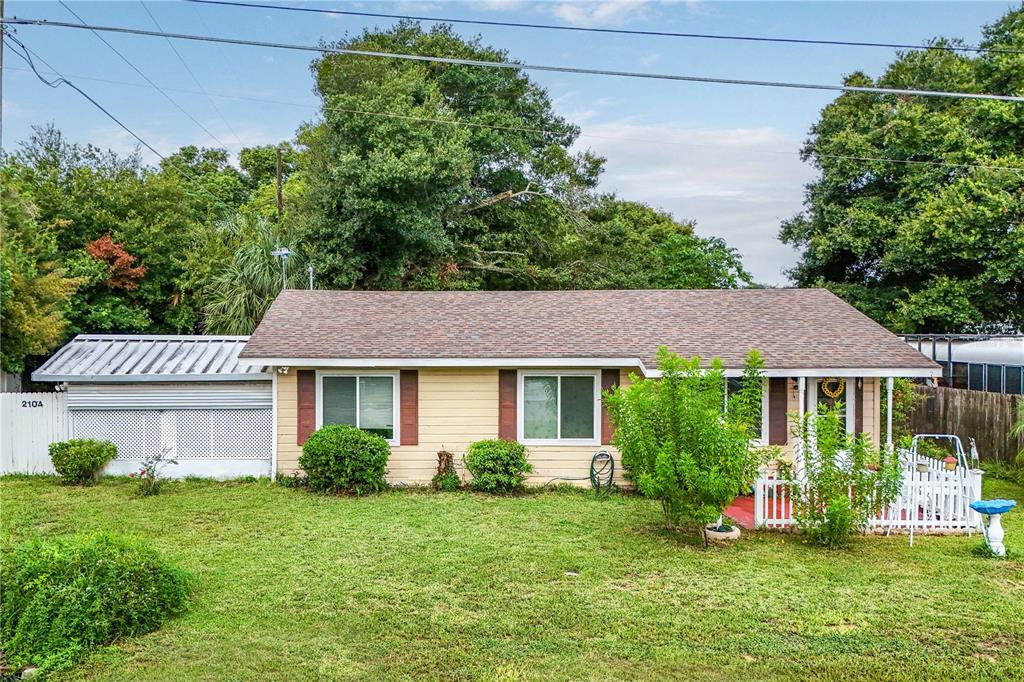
(994, 509)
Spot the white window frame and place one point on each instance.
(395, 388)
(763, 440)
(521, 411)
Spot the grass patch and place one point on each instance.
(291, 585)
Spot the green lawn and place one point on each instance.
(460, 586)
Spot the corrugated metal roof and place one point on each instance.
(127, 357)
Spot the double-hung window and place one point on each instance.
(366, 401)
(559, 408)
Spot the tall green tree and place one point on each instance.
(629, 245)
(34, 290)
(922, 246)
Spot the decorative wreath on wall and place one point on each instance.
(833, 387)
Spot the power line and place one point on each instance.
(617, 31)
(26, 53)
(191, 73)
(144, 76)
(524, 129)
(523, 66)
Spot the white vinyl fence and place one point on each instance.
(935, 500)
(29, 422)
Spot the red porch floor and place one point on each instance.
(742, 511)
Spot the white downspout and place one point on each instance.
(273, 412)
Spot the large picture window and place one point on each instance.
(559, 408)
(366, 401)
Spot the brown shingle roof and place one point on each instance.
(792, 328)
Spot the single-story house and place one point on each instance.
(439, 370)
(188, 395)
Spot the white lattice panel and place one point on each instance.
(190, 434)
(136, 433)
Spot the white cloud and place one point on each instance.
(738, 184)
(610, 12)
(116, 139)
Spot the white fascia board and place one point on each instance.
(392, 363)
(158, 337)
(145, 378)
(835, 372)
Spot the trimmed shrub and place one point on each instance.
(344, 459)
(64, 596)
(498, 466)
(80, 460)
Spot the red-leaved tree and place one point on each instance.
(122, 273)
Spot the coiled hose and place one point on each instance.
(602, 472)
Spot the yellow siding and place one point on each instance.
(456, 407)
(288, 450)
(872, 424)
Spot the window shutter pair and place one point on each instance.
(508, 426)
(408, 398)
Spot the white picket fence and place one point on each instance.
(935, 500)
(29, 422)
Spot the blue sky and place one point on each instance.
(722, 155)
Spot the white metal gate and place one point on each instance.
(29, 422)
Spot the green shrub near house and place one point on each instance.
(80, 460)
(62, 597)
(497, 466)
(344, 459)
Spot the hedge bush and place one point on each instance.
(80, 460)
(498, 466)
(62, 597)
(344, 459)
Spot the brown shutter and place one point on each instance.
(609, 380)
(507, 426)
(409, 397)
(858, 406)
(778, 424)
(306, 384)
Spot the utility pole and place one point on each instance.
(1, 79)
(280, 207)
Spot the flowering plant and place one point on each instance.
(149, 474)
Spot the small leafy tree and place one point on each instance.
(843, 481)
(679, 446)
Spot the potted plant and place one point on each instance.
(721, 531)
(950, 463)
(922, 467)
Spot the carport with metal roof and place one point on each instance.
(189, 395)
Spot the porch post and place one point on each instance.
(888, 414)
(798, 454)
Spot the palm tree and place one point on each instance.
(239, 295)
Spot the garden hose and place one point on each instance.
(602, 472)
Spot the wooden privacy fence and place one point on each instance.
(29, 422)
(935, 500)
(986, 417)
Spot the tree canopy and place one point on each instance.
(449, 176)
(934, 244)
(415, 176)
